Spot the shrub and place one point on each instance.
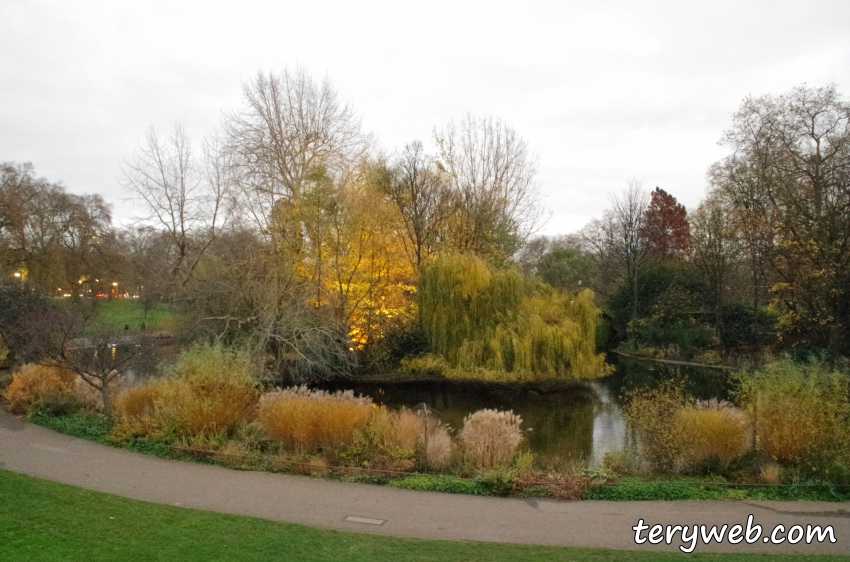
(210, 392)
(622, 461)
(713, 429)
(653, 414)
(38, 383)
(490, 437)
(306, 420)
(800, 412)
(428, 364)
(138, 404)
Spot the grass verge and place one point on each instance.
(41, 520)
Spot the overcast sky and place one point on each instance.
(602, 91)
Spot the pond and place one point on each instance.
(579, 421)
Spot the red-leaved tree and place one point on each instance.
(666, 225)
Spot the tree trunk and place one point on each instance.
(107, 401)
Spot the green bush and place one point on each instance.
(444, 484)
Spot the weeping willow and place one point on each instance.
(492, 324)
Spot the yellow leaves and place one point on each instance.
(353, 258)
(488, 324)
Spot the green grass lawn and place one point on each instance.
(116, 313)
(41, 520)
(113, 314)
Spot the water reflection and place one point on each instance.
(579, 421)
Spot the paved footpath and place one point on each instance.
(43, 453)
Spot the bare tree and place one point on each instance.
(187, 201)
(715, 248)
(289, 126)
(73, 340)
(618, 241)
(420, 191)
(493, 176)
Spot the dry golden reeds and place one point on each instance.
(32, 383)
(307, 420)
(713, 429)
(439, 448)
(490, 437)
(400, 429)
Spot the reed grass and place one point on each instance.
(210, 392)
(490, 438)
(309, 420)
(713, 429)
(399, 429)
(439, 447)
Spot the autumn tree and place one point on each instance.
(51, 238)
(491, 324)
(792, 155)
(715, 249)
(420, 191)
(666, 225)
(618, 242)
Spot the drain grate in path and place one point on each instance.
(365, 520)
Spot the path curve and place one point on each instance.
(40, 452)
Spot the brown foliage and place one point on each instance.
(307, 420)
(36, 382)
(666, 225)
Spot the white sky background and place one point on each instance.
(602, 91)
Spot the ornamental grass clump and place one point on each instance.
(36, 384)
(490, 438)
(309, 420)
(397, 430)
(439, 447)
(713, 428)
(800, 411)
